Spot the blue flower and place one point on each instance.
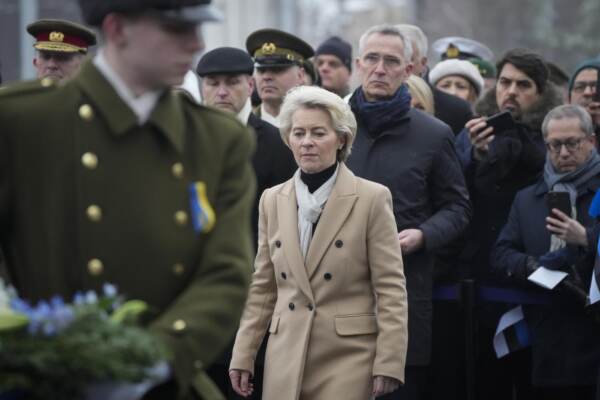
(109, 290)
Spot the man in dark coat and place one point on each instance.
(497, 164)
(564, 337)
(412, 154)
(114, 177)
(227, 84)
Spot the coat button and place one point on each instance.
(284, 275)
(277, 243)
(179, 325)
(178, 269)
(95, 267)
(47, 82)
(327, 276)
(89, 160)
(94, 213)
(177, 170)
(339, 243)
(310, 307)
(86, 112)
(181, 218)
(291, 306)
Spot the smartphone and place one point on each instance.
(501, 122)
(559, 200)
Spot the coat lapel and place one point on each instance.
(287, 210)
(338, 207)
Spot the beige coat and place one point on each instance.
(340, 318)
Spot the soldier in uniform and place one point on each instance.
(279, 58)
(60, 47)
(114, 177)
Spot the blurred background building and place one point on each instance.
(564, 31)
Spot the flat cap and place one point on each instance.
(225, 60)
(184, 11)
(275, 48)
(61, 36)
(460, 47)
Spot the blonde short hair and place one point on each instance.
(342, 118)
(420, 91)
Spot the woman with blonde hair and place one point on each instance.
(421, 95)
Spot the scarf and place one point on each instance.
(379, 116)
(310, 206)
(570, 182)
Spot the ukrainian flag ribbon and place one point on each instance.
(203, 215)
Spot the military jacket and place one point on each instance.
(88, 196)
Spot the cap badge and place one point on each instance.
(452, 51)
(269, 48)
(57, 36)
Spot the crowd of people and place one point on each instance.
(395, 227)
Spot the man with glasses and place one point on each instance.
(60, 47)
(564, 336)
(582, 89)
(412, 153)
(279, 58)
(112, 176)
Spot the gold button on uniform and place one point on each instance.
(47, 82)
(94, 213)
(178, 269)
(86, 112)
(181, 218)
(179, 325)
(95, 267)
(89, 160)
(177, 170)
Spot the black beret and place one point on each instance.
(225, 60)
(61, 36)
(275, 48)
(187, 11)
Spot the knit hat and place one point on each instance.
(593, 63)
(339, 48)
(457, 67)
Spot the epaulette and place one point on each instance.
(28, 87)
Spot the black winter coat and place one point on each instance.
(565, 345)
(416, 160)
(452, 110)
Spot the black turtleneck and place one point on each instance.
(314, 181)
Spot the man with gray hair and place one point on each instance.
(453, 111)
(564, 337)
(412, 154)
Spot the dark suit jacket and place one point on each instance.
(452, 110)
(273, 162)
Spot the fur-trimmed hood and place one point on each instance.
(533, 119)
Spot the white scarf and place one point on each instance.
(310, 206)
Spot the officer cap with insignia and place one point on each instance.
(225, 61)
(62, 36)
(462, 48)
(272, 48)
(486, 68)
(176, 11)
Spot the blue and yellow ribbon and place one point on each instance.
(203, 215)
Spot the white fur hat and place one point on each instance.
(457, 67)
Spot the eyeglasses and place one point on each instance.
(570, 144)
(579, 87)
(389, 62)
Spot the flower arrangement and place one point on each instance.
(57, 350)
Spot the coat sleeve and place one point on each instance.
(261, 300)
(508, 257)
(449, 197)
(211, 305)
(387, 278)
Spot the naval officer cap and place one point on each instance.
(272, 48)
(176, 11)
(57, 35)
(462, 48)
(225, 61)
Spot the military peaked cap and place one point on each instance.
(463, 48)
(275, 48)
(225, 60)
(184, 11)
(61, 36)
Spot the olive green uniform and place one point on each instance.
(88, 196)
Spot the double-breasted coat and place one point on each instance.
(87, 196)
(339, 318)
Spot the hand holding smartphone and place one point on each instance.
(560, 201)
(501, 122)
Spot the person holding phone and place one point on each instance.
(565, 347)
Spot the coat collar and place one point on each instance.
(167, 116)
